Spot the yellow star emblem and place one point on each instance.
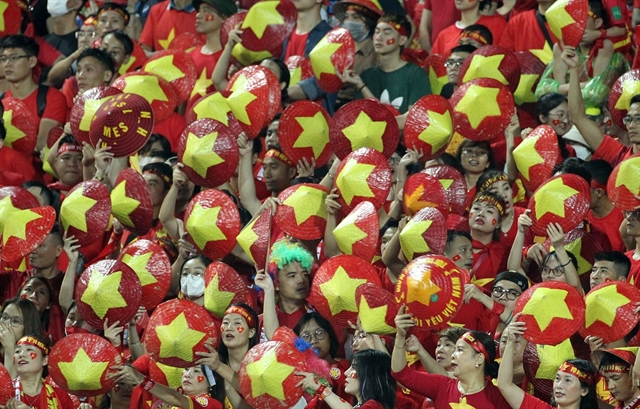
(340, 291)
(321, 55)
(414, 200)
(247, 237)
(365, 133)
(630, 88)
(165, 68)
(306, 202)
(411, 239)
(547, 297)
(18, 225)
(525, 93)
(628, 175)
(124, 68)
(6, 209)
(446, 183)
(248, 57)
(347, 233)
(462, 405)
(315, 133)
(199, 153)
(352, 180)
(603, 304)
(545, 54)
(73, 211)
(558, 17)
(481, 282)
(172, 374)
(147, 86)
(177, 339)
(240, 99)
(216, 300)
(13, 133)
(82, 373)
(267, 375)
(202, 226)
(202, 83)
(214, 106)
(3, 7)
(102, 293)
(295, 76)
(122, 205)
(90, 108)
(575, 247)
(373, 319)
(526, 156)
(438, 132)
(551, 357)
(468, 104)
(551, 196)
(436, 82)
(485, 67)
(139, 264)
(422, 290)
(261, 16)
(167, 41)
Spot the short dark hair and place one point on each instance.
(600, 170)
(373, 368)
(26, 44)
(544, 105)
(155, 137)
(590, 400)
(67, 139)
(635, 100)
(123, 38)
(453, 334)
(597, 8)
(30, 315)
(454, 234)
(285, 75)
(573, 166)
(120, 9)
(322, 323)
(482, 30)
(486, 176)
(464, 48)
(161, 169)
(104, 58)
(621, 263)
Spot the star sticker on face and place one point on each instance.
(603, 304)
(374, 317)
(352, 180)
(554, 304)
(307, 202)
(347, 233)
(260, 17)
(267, 375)
(439, 130)
(73, 211)
(165, 68)
(139, 264)
(13, 133)
(122, 205)
(627, 175)
(485, 67)
(214, 106)
(177, 339)
(526, 156)
(147, 86)
(558, 17)
(315, 133)
(551, 197)
(476, 114)
(321, 55)
(240, 99)
(422, 290)
(365, 133)
(82, 373)
(202, 225)
(216, 300)
(630, 88)
(17, 227)
(102, 292)
(412, 240)
(199, 153)
(340, 291)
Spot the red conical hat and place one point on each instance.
(176, 67)
(21, 126)
(364, 175)
(240, 55)
(546, 303)
(455, 187)
(213, 222)
(536, 156)
(85, 108)
(429, 126)
(357, 234)
(187, 42)
(491, 61)
(299, 69)
(432, 288)
(81, 363)
(155, 89)
(11, 19)
(425, 233)
(623, 187)
(303, 132)
(377, 309)
(626, 87)
(167, 375)
(84, 213)
(177, 330)
(364, 123)
(303, 213)
(26, 230)
(108, 289)
(567, 20)
(437, 72)
(423, 190)
(231, 23)
(268, 24)
(224, 287)
(214, 106)
(333, 291)
(13, 198)
(563, 199)
(131, 202)
(209, 152)
(6, 386)
(150, 262)
(609, 311)
(482, 122)
(334, 54)
(627, 354)
(254, 239)
(531, 69)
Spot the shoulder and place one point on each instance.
(371, 404)
(414, 69)
(205, 401)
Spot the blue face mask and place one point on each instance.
(357, 29)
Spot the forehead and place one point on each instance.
(294, 266)
(384, 26)
(484, 205)
(194, 263)
(111, 15)
(271, 161)
(461, 241)
(273, 126)
(508, 285)
(562, 107)
(12, 310)
(151, 177)
(92, 61)
(36, 284)
(635, 108)
(10, 51)
(111, 41)
(459, 55)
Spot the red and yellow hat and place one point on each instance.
(213, 222)
(626, 87)
(26, 230)
(268, 24)
(167, 375)
(214, 106)
(333, 291)
(333, 54)
(429, 126)
(267, 375)
(609, 311)
(108, 289)
(423, 190)
(154, 89)
(177, 68)
(299, 69)
(536, 156)
(12, 199)
(531, 70)
(223, 288)
(11, 19)
(85, 108)
(563, 199)
(131, 202)
(482, 122)
(363, 175)
(303, 213)
(85, 212)
(364, 123)
(230, 23)
(377, 309)
(567, 20)
(81, 363)
(6, 386)
(547, 303)
(303, 132)
(432, 288)
(455, 187)
(254, 239)
(255, 96)
(437, 72)
(187, 42)
(153, 268)
(209, 152)
(357, 234)
(491, 61)
(177, 330)
(426, 233)
(623, 187)
(21, 126)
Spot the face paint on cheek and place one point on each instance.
(209, 17)
(240, 330)
(33, 355)
(391, 41)
(221, 328)
(456, 257)
(555, 122)
(200, 378)
(494, 222)
(353, 375)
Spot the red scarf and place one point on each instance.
(46, 399)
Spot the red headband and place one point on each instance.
(166, 179)
(570, 369)
(474, 36)
(274, 153)
(118, 10)
(477, 346)
(90, 21)
(487, 184)
(618, 368)
(69, 147)
(483, 197)
(35, 342)
(399, 28)
(243, 312)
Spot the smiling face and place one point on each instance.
(235, 331)
(194, 381)
(28, 359)
(559, 119)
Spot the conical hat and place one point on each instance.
(155, 89)
(131, 202)
(84, 213)
(357, 234)
(423, 190)
(26, 230)
(299, 69)
(11, 19)
(623, 187)
(491, 61)
(20, 124)
(267, 24)
(377, 309)
(455, 187)
(567, 20)
(254, 238)
(425, 233)
(13, 198)
(214, 106)
(429, 126)
(85, 108)
(334, 54)
(536, 156)
(437, 72)
(303, 213)
(626, 87)
(176, 67)
(303, 132)
(223, 288)
(6, 386)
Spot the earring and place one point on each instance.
(477, 365)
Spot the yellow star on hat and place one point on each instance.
(421, 290)
(485, 67)
(551, 196)
(439, 131)
(411, 239)
(122, 205)
(315, 133)
(347, 233)
(216, 300)
(373, 320)
(476, 113)
(82, 373)
(628, 175)
(240, 99)
(554, 304)
(340, 291)
(202, 225)
(74, 208)
(3, 7)
(321, 55)
(365, 133)
(6, 209)
(526, 156)
(200, 154)
(551, 357)
(437, 82)
(352, 180)
(13, 133)
(90, 108)
(525, 93)
(630, 88)
(177, 339)
(139, 264)
(147, 86)
(267, 375)
(558, 17)
(603, 304)
(165, 68)
(18, 225)
(247, 237)
(545, 54)
(202, 83)
(261, 15)
(214, 106)
(102, 292)
(307, 202)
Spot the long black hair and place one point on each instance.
(544, 105)
(590, 400)
(373, 369)
(490, 364)
(223, 351)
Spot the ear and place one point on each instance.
(33, 61)
(126, 59)
(403, 40)
(59, 250)
(599, 23)
(252, 332)
(584, 392)
(292, 172)
(45, 360)
(108, 76)
(542, 119)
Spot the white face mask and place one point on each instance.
(57, 8)
(142, 161)
(192, 286)
(582, 152)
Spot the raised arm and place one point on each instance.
(246, 184)
(556, 235)
(269, 316)
(403, 322)
(511, 392)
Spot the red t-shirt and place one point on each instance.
(205, 63)
(50, 397)
(488, 262)
(446, 15)
(522, 6)
(531, 402)
(296, 45)
(165, 23)
(609, 226)
(450, 36)
(523, 33)
(70, 90)
(204, 401)
(56, 105)
(15, 168)
(612, 151)
(508, 237)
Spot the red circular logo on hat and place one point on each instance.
(377, 309)
(20, 124)
(85, 108)
(303, 133)
(623, 186)
(536, 156)
(176, 67)
(334, 54)
(425, 233)
(454, 184)
(224, 287)
(423, 190)
(85, 211)
(154, 89)
(131, 202)
(357, 233)
(491, 61)
(303, 213)
(552, 311)
(299, 69)
(108, 290)
(26, 230)
(624, 89)
(429, 126)
(267, 24)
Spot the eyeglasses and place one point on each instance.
(628, 120)
(13, 58)
(318, 334)
(91, 34)
(450, 63)
(475, 152)
(13, 321)
(510, 295)
(632, 215)
(558, 271)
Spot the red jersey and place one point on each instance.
(15, 168)
(612, 151)
(446, 15)
(205, 63)
(508, 237)
(51, 397)
(609, 226)
(296, 44)
(165, 23)
(531, 402)
(523, 33)
(450, 36)
(204, 401)
(55, 108)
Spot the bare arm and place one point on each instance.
(269, 315)
(425, 30)
(67, 287)
(515, 255)
(511, 392)
(168, 208)
(556, 235)
(62, 69)
(246, 184)
(219, 75)
(330, 245)
(391, 255)
(430, 365)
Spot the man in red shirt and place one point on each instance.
(633, 230)
(167, 20)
